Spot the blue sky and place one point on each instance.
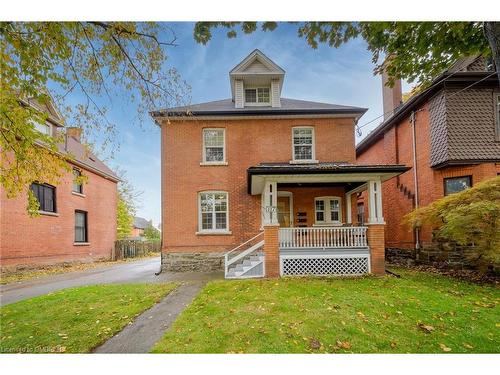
(340, 76)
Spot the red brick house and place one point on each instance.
(449, 135)
(77, 222)
(262, 185)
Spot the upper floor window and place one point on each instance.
(303, 143)
(497, 117)
(46, 196)
(257, 95)
(214, 146)
(77, 186)
(81, 232)
(42, 128)
(213, 211)
(327, 210)
(456, 184)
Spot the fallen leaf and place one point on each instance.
(314, 344)
(444, 348)
(425, 327)
(393, 344)
(468, 346)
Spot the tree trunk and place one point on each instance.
(492, 33)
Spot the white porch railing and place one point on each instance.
(321, 237)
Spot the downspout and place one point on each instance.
(415, 179)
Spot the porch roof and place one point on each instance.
(319, 173)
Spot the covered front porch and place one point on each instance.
(312, 223)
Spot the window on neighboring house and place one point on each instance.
(456, 184)
(77, 186)
(303, 144)
(361, 213)
(81, 232)
(257, 95)
(46, 196)
(214, 145)
(327, 210)
(497, 117)
(213, 212)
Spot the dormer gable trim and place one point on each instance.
(257, 55)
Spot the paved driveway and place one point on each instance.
(140, 271)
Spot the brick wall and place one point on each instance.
(248, 143)
(50, 239)
(396, 147)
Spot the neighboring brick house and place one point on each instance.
(265, 186)
(77, 222)
(138, 227)
(449, 134)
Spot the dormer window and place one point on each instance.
(259, 95)
(42, 128)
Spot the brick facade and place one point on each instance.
(396, 146)
(248, 142)
(26, 241)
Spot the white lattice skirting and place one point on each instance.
(325, 266)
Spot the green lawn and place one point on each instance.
(74, 320)
(418, 313)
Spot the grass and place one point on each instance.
(418, 313)
(74, 320)
(8, 277)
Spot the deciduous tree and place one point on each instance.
(41, 61)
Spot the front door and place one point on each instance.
(284, 211)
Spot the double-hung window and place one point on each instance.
(77, 185)
(46, 196)
(303, 143)
(456, 184)
(214, 148)
(260, 95)
(213, 211)
(327, 210)
(81, 232)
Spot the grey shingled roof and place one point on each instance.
(141, 223)
(83, 156)
(288, 106)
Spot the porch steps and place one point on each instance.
(245, 266)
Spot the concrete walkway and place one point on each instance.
(140, 271)
(149, 327)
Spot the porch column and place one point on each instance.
(376, 241)
(376, 228)
(272, 250)
(348, 208)
(270, 203)
(375, 215)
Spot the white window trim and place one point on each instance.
(304, 161)
(327, 211)
(202, 231)
(204, 151)
(257, 103)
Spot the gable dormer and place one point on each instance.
(256, 81)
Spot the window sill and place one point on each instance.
(47, 213)
(78, 194)
(213, 163)
(304, 161)
(214, 233)
(81, 244)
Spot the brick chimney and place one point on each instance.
(75, 133)
(392, 96)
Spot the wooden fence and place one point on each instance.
(133, 248)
